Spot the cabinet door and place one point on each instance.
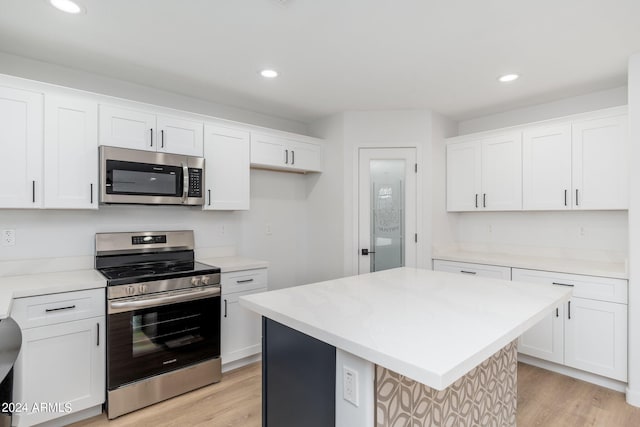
(268, 151)
(600, 173)
(545, 339)
(305, 156)
(546, 168)
(71, 153)
(226, 153)
(241, 330)
(463, 176)
(480, 270)
(20, 148)
(180, 136)
(120, 127)
(502, 172)
(596, 337)
(63, 363)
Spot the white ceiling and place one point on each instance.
(340, 55)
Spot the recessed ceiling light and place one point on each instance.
(508, 78)
(269, 74)
(67, 6)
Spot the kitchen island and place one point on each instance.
(407, 346)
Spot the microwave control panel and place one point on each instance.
(195, 182)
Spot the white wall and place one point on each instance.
(633, 391)
(563, 107)
(46, 72)
(581, 235)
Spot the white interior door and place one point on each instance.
(386, 208)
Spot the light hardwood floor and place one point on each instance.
(544, 399)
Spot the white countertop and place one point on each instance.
(617, 270)
(432, 327)
(234, 263)
(46, 283)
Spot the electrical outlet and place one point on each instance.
(8, 237)
(350, 385)
(222, 230)
(267, 229)
(581, 231)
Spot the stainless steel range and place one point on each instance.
(163, 318)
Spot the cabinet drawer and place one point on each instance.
(590, 287)
(31, 312)
(246, 280)
(471, 269)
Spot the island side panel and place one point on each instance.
(298, 378)
(486, 395)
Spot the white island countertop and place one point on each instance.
(432, 327)
(230, 264)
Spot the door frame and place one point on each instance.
(354, 247)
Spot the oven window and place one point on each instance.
(155, 331)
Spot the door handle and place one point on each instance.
(367, 252)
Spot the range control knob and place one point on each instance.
(205, 280)
(130, 290)
(195, 281)
(143, 288)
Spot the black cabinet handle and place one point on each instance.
(33, 191)
(484, 200)
(562, 284)
(557, 313)
(286, 157)
(244, 281)
(293, 157)
(225, 308)
(162, 138)
(49, 310)
(151, 132)
(569, 309)
(91, 193)
(468, 272)
(476, 200)
(209, 192)
(98, 334)
(565, 197)
(577, 204)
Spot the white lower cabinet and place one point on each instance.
(589, 332)
(481, 270)
(241, 329)
(61, 367)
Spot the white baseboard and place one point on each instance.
(230, 366)
(574, 373)
(633, 397)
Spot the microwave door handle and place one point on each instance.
(185, 182)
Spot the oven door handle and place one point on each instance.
(185, 182)
(121, 306)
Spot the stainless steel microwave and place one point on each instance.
(150, 178)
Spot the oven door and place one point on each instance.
(150, 336)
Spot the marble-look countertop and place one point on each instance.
(617, 270)
(234, 263)
(432, 327)
(28, 285)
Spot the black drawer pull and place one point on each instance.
(468, 272)
(563, 284)
(244, 281)
(225, 308)
(49, 310)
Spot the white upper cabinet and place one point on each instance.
(120, 127)
(485, 174)
(274, 152)
(71, 153)
(180, 136)
(502, 172)
(20, 148)
(546, 168)
(143, 130)
(226, 153)
(571, 163)
(600, 173)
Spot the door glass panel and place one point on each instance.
(387, 213)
